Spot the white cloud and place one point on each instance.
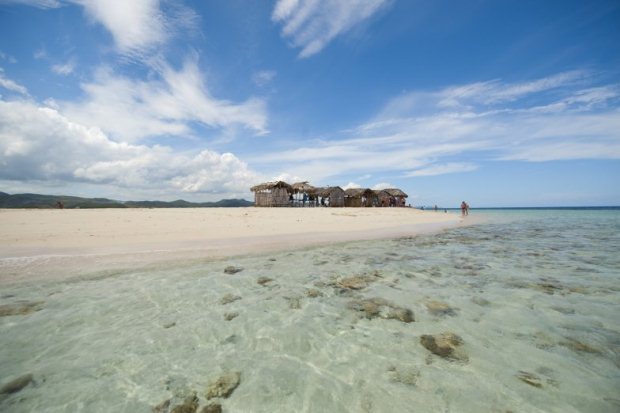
(351, 185)
(11, 85)
(442, 169)
(38, 144)
(263, 77)
(42, 4)
(136, 25)
(493, 92)
(64, 69)
(286, 177)
(131, 110)
(556, 118)
(312, 24)
(382, 185)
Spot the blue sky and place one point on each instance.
(500, 103)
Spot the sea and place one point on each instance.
(517, 313)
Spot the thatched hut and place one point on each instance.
(272, 194)
(358, 197)
(382, 198)
(305, 194)
(398, 195)
(332, 196)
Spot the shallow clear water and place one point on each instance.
(534, 295)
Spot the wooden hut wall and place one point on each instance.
(382, 199)
(276, 197)
(353, 202)
(336, 198)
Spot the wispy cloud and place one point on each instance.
(131, 110)
(263, 77)
(8, 58)
(64, 69)
(42, 4)
(563, 116)
(442, 169)
(39, 54)
(11, 85)
(138, 27)
(312, 24)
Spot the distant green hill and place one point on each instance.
(70, 202)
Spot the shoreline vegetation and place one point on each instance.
(39, 201)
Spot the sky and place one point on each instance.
(499, 103)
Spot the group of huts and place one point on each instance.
(302, 194)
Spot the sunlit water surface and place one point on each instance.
(534, 295)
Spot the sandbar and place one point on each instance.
(43, 244)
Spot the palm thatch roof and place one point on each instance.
(303, 187)
(271, 185)
(358, 192)
(382, 193)
(396, 192)
(326, 191)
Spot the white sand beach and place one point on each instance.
(32, 242)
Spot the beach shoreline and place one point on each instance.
(53, 245)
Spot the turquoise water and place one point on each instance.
(533, 295)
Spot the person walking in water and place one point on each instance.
(464, 208)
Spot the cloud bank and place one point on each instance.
(39, 144)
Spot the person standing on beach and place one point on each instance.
(463, 208)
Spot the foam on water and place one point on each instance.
(535, 296)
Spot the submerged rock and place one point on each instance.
(212, 408)
(264, 280)
(353, 283)
(357, 282)
(229, 298)
(408, 376)
(371, 307)
(480, 301)
(445, 345)
(294, 303)
(230, 316)
(379, 307)
(17, 384)
(169, 325)
(162, 407)
(224, 385)
(439, 308)
(231, 269)
(189, 405)
(20, 308)
(530, 378)
(401, 314)
(579, 346)
(547, 288)
(313, 293)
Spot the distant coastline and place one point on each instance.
(39, 201)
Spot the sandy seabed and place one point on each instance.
(37, 243)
